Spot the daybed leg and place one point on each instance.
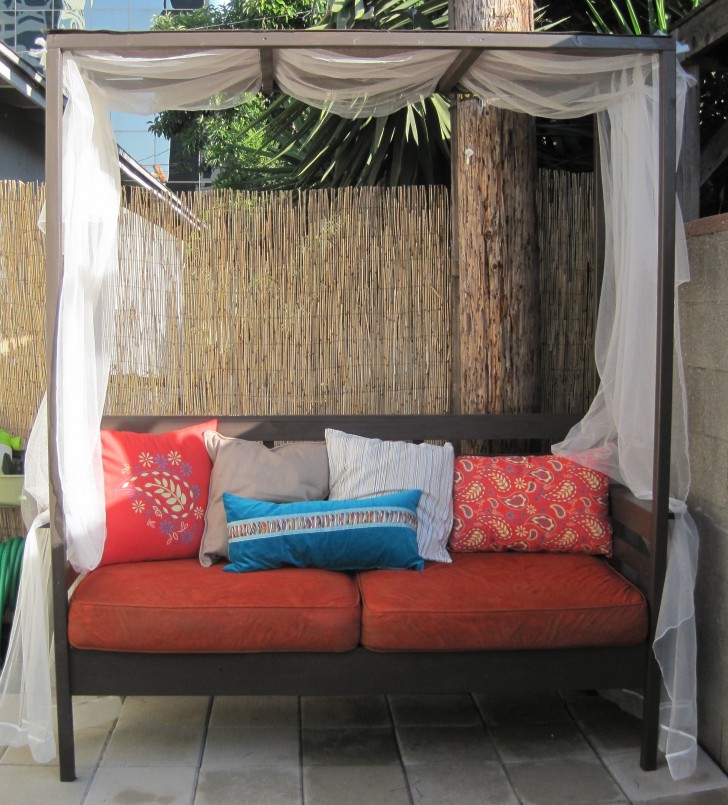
(64, 699)
(651, 715)
(66, 748)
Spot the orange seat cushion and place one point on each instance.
(501, 601)
(180, 606)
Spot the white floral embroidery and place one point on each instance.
(138, 506)
(126, 469)
(174, 457)
(146, 459)
(151, 523)
(199, 512)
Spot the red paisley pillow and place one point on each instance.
(156, 488)
(529, 503)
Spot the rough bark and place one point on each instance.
(495, 245)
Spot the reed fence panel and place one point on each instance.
(568, 290)
(311, 302)
(286, 303)
(22, 317)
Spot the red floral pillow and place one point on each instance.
(529, 503)
(156, 488)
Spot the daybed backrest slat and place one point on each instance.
(631, 563)
(627, 509)
(446, 427)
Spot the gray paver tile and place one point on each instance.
(344, 711)
(460, 784)
(255, 711)
(564, 782)
(153, 754)
(252, 786)
(251, 747)
(619, 733)
(33, 785)
(136, 785)
(95, 711)
(187, 711)
(445, 745)
(354, 785)
(435, 711)
(718, 796)
(540, 742)
(590, 707)
(352, 746)
(154, 745)
(642, 786)
(538, 709)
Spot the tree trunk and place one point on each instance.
(495, 246)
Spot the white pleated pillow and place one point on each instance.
(360, 467)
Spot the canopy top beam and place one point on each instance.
(177, 42)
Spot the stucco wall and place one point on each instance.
(704, 319)
(21, 146)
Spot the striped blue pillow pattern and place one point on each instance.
(361, 467)
(379, 532)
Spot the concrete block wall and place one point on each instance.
(704, 322)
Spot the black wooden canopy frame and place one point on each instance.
(102, 672)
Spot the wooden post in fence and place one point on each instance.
(495, 255)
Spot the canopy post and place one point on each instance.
(54, 269)
(663, 387)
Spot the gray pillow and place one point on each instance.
(284, 474)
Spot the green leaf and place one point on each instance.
(633, 17)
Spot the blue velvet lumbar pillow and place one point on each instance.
(378, 532)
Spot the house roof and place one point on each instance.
(23, 84)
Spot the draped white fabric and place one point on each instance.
(356, 86)
(215, 79)
(25, 684)
(615, 436)
(348, 85)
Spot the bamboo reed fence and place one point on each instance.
(22, 317)
(568, 290)
(286, 303)
(311, 302)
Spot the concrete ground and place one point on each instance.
(460, 749)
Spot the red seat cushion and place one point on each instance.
(180, 606)
(501, 601)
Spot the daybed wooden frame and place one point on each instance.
(642, 529)
(84, 672)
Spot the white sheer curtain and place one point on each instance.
(25, 684)
(616, 435)
(215, 79)
(360, 86)
(621, 89)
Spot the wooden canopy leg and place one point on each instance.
(66, 749)
(64, 699)
(651, 714)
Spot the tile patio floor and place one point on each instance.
(359, 751)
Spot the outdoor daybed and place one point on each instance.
(630, 84)
(494, 621)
